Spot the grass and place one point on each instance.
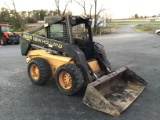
(147, 27)
(111, 26)
(108, 28)
(141, 24)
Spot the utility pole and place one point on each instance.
(95, 17)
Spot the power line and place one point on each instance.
(6, 4)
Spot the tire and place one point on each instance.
(158, 33)
(17, 43)
(69, 79)
(39, 71)
(109, 64)
(3, 41)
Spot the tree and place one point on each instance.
(17, 21)
(136, 16)
(14, 17)
(153, 15)
(96, 15)
(57, 4)
(42, 14)
(83, 5)
(23, 14)
(4, 15)
(35, 15)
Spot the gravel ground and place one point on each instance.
(21, 100)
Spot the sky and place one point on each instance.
(115, 8)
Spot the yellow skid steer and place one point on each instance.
(63, 48)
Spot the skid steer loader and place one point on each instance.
(63, 48)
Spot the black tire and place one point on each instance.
(44, 71)
(109, 64)
(17, 43)
(77, 79)
(3, 41)
(158, 33)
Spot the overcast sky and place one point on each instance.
(117, 8)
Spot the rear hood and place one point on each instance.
(9, 33)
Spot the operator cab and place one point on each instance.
(78, 32)
(74, 30)
(4, 28)
(82, 37)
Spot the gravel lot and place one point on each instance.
(21, 100)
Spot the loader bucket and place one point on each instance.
(114, 92)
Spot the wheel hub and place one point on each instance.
(1, 42)
(34, 71)
(65, 80)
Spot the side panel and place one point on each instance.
(71, 50)
(94, 65)
(55, 61)
(28, 39)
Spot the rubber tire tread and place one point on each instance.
(77, 78)
(4, 41)
(17, 43)
(44, 69)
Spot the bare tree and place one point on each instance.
(6, 4)
(65, 8)
(83, 5)
(57, 6)
(15, 10)
(96, 13)
(96, 16)
(90, 11)
(57, 3)
(16, 21)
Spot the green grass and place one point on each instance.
(147, 27)
(114, 25)
(108, 28)
(142, 23)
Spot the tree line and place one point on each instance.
(18, 19)
(24, 17)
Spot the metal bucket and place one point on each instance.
(113, 93)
